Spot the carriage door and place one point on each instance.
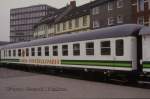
(139, 53)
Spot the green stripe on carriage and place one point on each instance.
(146, 64)
(97, 63)
(10, 60)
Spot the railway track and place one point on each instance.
(80, 74)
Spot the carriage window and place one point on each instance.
(65, 50)
(27, 52)
(23, 52)
(14, 53)
(46, 51)
(39, 51)
(76, 49)
(119, 47)
(55, 50)
(19, 52)
(90, 48)
(4, 53)
(33, 51)
(105, 48)
(9, 52)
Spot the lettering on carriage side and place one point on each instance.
(41, 61)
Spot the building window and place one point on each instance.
(140, 5)
(111, 21)
(39, 51)
(119, 3)
(46, 51)
(119, 19)
(64, 26)
(84, 20)
(33, 51)
(27, 52)
(95, 11)
(70, 24)
(119, 47)
(55, 50)
(105, 48)
(90, 48)
(141, 20)
(77, 22)
(76, 49)
(96, 24)
(9, 52)
(58, 27)
(14, 53)
(65, 50)
(110, 5)
(19, 52)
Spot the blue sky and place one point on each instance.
(6, 5)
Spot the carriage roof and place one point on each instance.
(145, 31)
(109, 32)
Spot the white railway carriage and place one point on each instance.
(145, 32)
(109, 49)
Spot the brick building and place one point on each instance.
(141, 12)
(106, 13)
(93, 15)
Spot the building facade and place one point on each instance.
(93, 15)
(106, 13)
(77, 20)
(22, 21)
(46, 26)
(141, 12)
(68, 19)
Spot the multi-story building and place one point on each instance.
(46, 26)
(77, 20)
(106, 13)
(141, 12)
(66, 20)
(93, 15)
(22, 21)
